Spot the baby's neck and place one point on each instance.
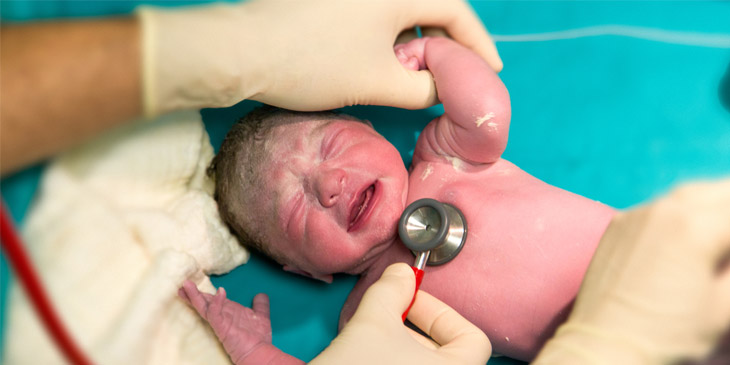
(396, 252)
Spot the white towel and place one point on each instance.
(118, 224)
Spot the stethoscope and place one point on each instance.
(29, 279)
(434, 231)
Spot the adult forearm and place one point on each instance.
(63, 82)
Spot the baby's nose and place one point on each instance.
(328, 186)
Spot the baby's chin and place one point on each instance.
(349, 256)
(363, 253)
(357, 251)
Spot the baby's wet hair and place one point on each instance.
(237, 167)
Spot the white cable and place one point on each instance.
(710, 40)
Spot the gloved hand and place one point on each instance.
(301, 55)
(658, 287)
(376, 334)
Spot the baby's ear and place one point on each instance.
(326, 278)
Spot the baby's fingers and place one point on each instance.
(215, 308)
(183, 296)
(721, 306)
(194, 298)
(261, 305)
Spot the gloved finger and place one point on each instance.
(426, 342)
(458, 19)
(195, 298)
(720, 192)
(710, 204)
(704, 193)
(710, 234)
(389, 296)
(693, 216)
(182, 295)
(457, 336)
(721, 304)
(404, 88)
(261, 305)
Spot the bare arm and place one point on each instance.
(63, 82)
(475, 126)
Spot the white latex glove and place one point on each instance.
(376, 333)
(658, 287)
(301, 55)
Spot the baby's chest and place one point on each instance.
(442, 182)
(453, 183)
(490, 199)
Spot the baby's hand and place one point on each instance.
(412, 55)
(241, 330)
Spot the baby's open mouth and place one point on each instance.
(361, 208)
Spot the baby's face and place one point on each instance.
(335, 191)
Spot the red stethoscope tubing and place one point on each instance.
(419, 279)
(20, 261)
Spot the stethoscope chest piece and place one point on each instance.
(430, 225)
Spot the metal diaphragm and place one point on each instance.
(429, 225)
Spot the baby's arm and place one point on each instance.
(475, 126)
(244, 332)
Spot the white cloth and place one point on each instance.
(118, 224)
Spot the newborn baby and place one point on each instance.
(321, 193)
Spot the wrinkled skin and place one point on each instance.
(528, 243)
(244, 332)
(319, 173)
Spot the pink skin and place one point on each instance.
(244, 332)
(528, 244)
(321, 174)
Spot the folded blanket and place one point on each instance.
(118, 224)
